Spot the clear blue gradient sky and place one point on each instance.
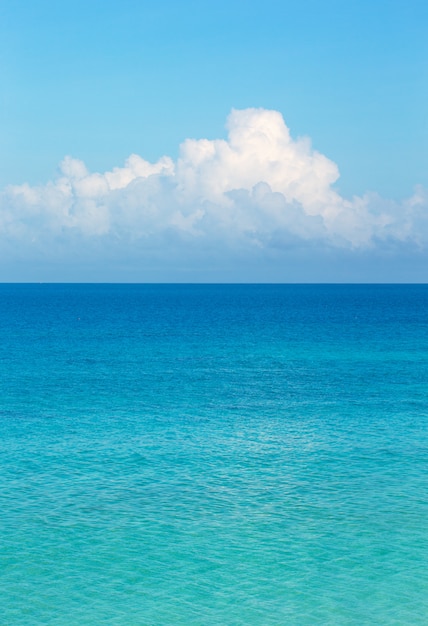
(100, 80)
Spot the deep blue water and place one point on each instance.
(213, 454)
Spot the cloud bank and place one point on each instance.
(259, 192)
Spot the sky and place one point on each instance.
(274, 141)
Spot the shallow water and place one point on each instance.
(205, 455)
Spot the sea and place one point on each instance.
(204, 455)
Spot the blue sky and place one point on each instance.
(99, 81)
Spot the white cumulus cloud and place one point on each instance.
(259, 189)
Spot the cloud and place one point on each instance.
(258, 190)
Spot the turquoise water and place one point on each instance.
(205, 455)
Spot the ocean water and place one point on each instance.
(213, 454)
